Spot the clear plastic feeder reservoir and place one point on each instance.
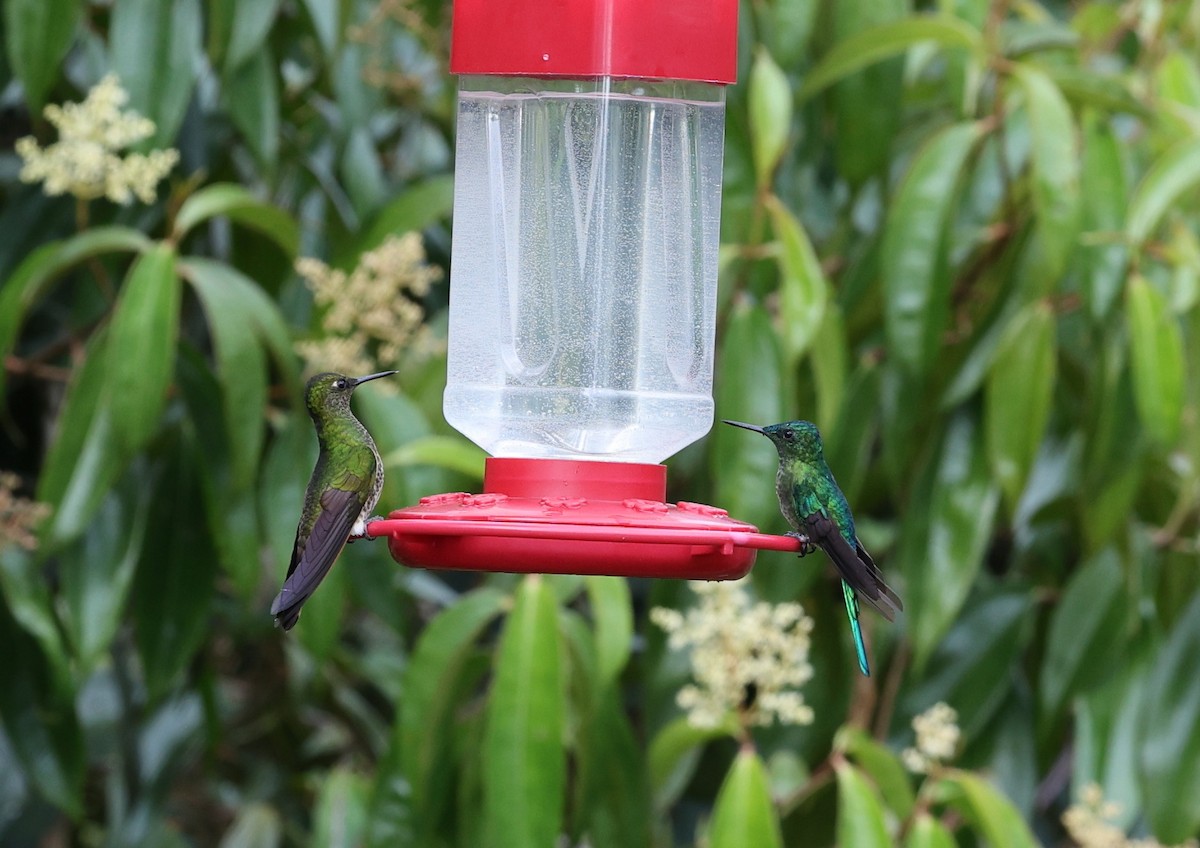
(586, 224)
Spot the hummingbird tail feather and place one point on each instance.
(853, 565)
(860, 647)
(314, 554)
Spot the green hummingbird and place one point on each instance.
(815, 507)
(344, 488)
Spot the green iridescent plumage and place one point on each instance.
(342, 491)
(816, 509)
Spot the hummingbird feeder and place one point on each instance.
(583, 288)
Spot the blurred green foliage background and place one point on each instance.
(962, 236)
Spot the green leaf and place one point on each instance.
(612, 617)
(252, 94)
(257, 825)
(962, 511)
(1173, 174)
(327, 22)
(240, 206)
(1177, 79)
(1170, 750)
(850, 444)
(928, 832)
(241, 292)
(38, 713)
(33, 277)
(887, 40)
(803, 290)
(1157, 361)
(1108, 92)
(176, 573)
(250, 26)
(427, 710)
(323, 613)
(970, 668)
(241, 367)
(417, 206)
(1017, 396)
(743, 814)
(97, 574)
(860, 818)
(24, 586)
(866, 105)
(37, 35)
(1105, 201)
(915, 241)
(452, 452)
(85, 459)
(748, 388)
(1054, 157)
(340, 819)
(1087, 629)
(674, 754)
(362, 172)
(988, 811)
(770, 105)
(1107, 736)
(154, 47)
(830, 357)
(140, 355)
(230, 509)
(614, 799)
(524, 764)
(881, 764)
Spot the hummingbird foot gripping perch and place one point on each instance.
(360, 530)
(806, 545)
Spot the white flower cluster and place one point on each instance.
(746, 657)
(370, 315)
(19, 517)
(1090, 823)
(937, 738)
(85, 161)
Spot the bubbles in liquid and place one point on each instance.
(583, 275)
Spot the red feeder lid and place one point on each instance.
(556, 516)
(663, 39)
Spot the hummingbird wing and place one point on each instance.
(859, 572)
(891, 597)
(312, 557)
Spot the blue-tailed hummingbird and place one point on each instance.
(815, 507)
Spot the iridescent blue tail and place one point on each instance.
(852, 611)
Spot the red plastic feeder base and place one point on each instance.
(556, 516)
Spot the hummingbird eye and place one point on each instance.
(339, 384)
(789, 436)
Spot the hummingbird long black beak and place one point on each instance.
(357, 380)
(743, 425)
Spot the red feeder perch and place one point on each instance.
(583, 290)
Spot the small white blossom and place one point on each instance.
(19, 517)
(1089, 822)
(937, 738)
(746, 657)
(84, 160)
(370, 317)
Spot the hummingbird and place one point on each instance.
(819, 515)
(342, 491)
